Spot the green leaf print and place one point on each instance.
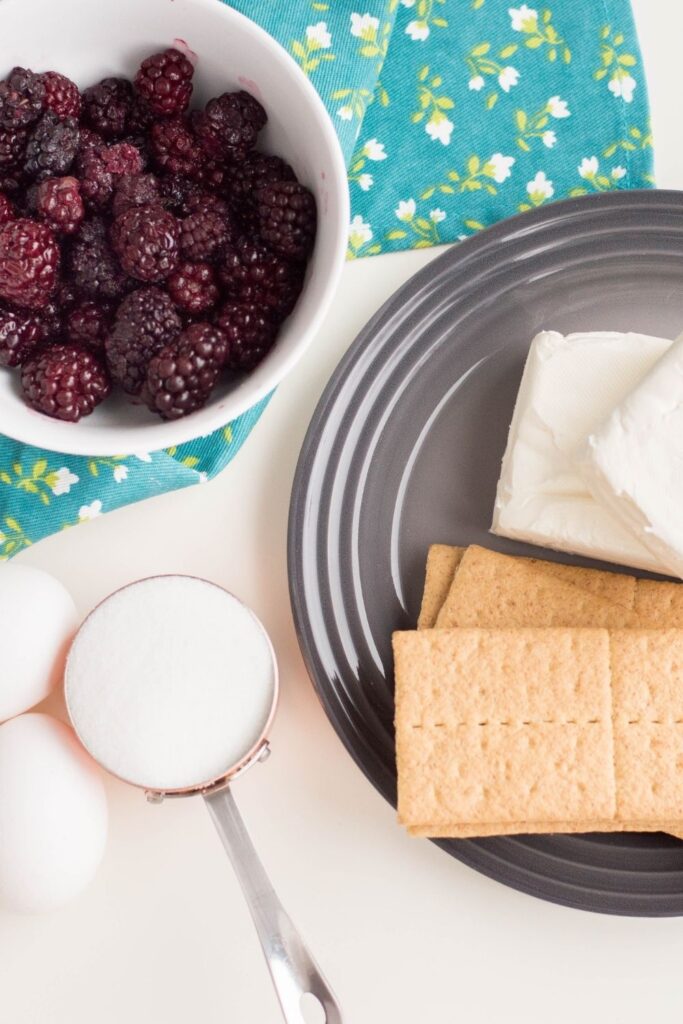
(540, 32)
(310, 51)
(615, 64)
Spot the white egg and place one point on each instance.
(37, 622)
(53, 814)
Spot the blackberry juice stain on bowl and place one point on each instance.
(172, 226)
(144, 245)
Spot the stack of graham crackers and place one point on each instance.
(539, 697)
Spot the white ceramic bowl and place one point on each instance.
(87, 41)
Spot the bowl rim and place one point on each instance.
(76, 439)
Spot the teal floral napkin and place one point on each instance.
(452, 114)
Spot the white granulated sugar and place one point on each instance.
(170, 682)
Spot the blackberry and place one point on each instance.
(165, 82)
(12, 148)
(122, 158)
(287, 218)
(181, 377)
(135, 190)
(95, 271)
(229, 125)
(52, 146)
(145, 321)
(89, 139)
(174, 147)
(65, 381)
(20, 333)
(141, 118)
(176, 192)
(257, 170)
(21, 98)
(250, 333)
(59, 203)
(107, 107)
(253, 274)
(52, 320)
(97, 183)
(66, 296)
(214, 175)
(29, 262)
(193, 288)
(201, 201)
(61, 96)
(88, 324)
(146, 239)
(6, 210)
(203, 235)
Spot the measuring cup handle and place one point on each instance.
(294, 972)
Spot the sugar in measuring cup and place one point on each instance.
(171, 684)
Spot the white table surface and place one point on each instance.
(406, 934)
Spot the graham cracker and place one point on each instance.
(442, 563)
(491, 590)
(482, 737)
(657, 605)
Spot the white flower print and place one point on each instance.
(405, 209)
(345, 112)
(91, 511)
(618, 172)
(523, 18)
(374, 150)
(408, 3)
(364, 26)
(437, 215)
(508, 77)
(540, 187)
(63, 481)
(318, 35)
(120, 473)
(417, 30)
(588, 166)
(500, 167)
(203, 478)
(144, 457)
(557, 107)
(622, 85)
(359, 232)
(549, 138)
(476, 83)
(3, 538)
(440, 130)
(365, 182)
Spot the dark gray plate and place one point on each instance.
(404, 449)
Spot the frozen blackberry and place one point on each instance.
(165, 82)
(61, 96)
(52, 319)
(107, 107)
(229, 125)
(287, 218)
(20, 334)
(251, 273)
(60, 204)
(214, 175)
(204, 235)
(257, 170)
(135, 190)
(52, 146)
(95, 271)
(141, 118)
(21, 98)
(88, 324)
(6, 210)
(97, 183)
(193, 288)
(65, 381)
(181, 377)
(201, 201)
(174, 148)
(176, 192)
(122, 158)
(250, 333)
(89, 139)
(12, 148)
(145, 321)
(146, 240)
(29, 263)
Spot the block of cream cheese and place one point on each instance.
(633, 463)
(570, 385)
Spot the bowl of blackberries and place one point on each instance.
(173, 212)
